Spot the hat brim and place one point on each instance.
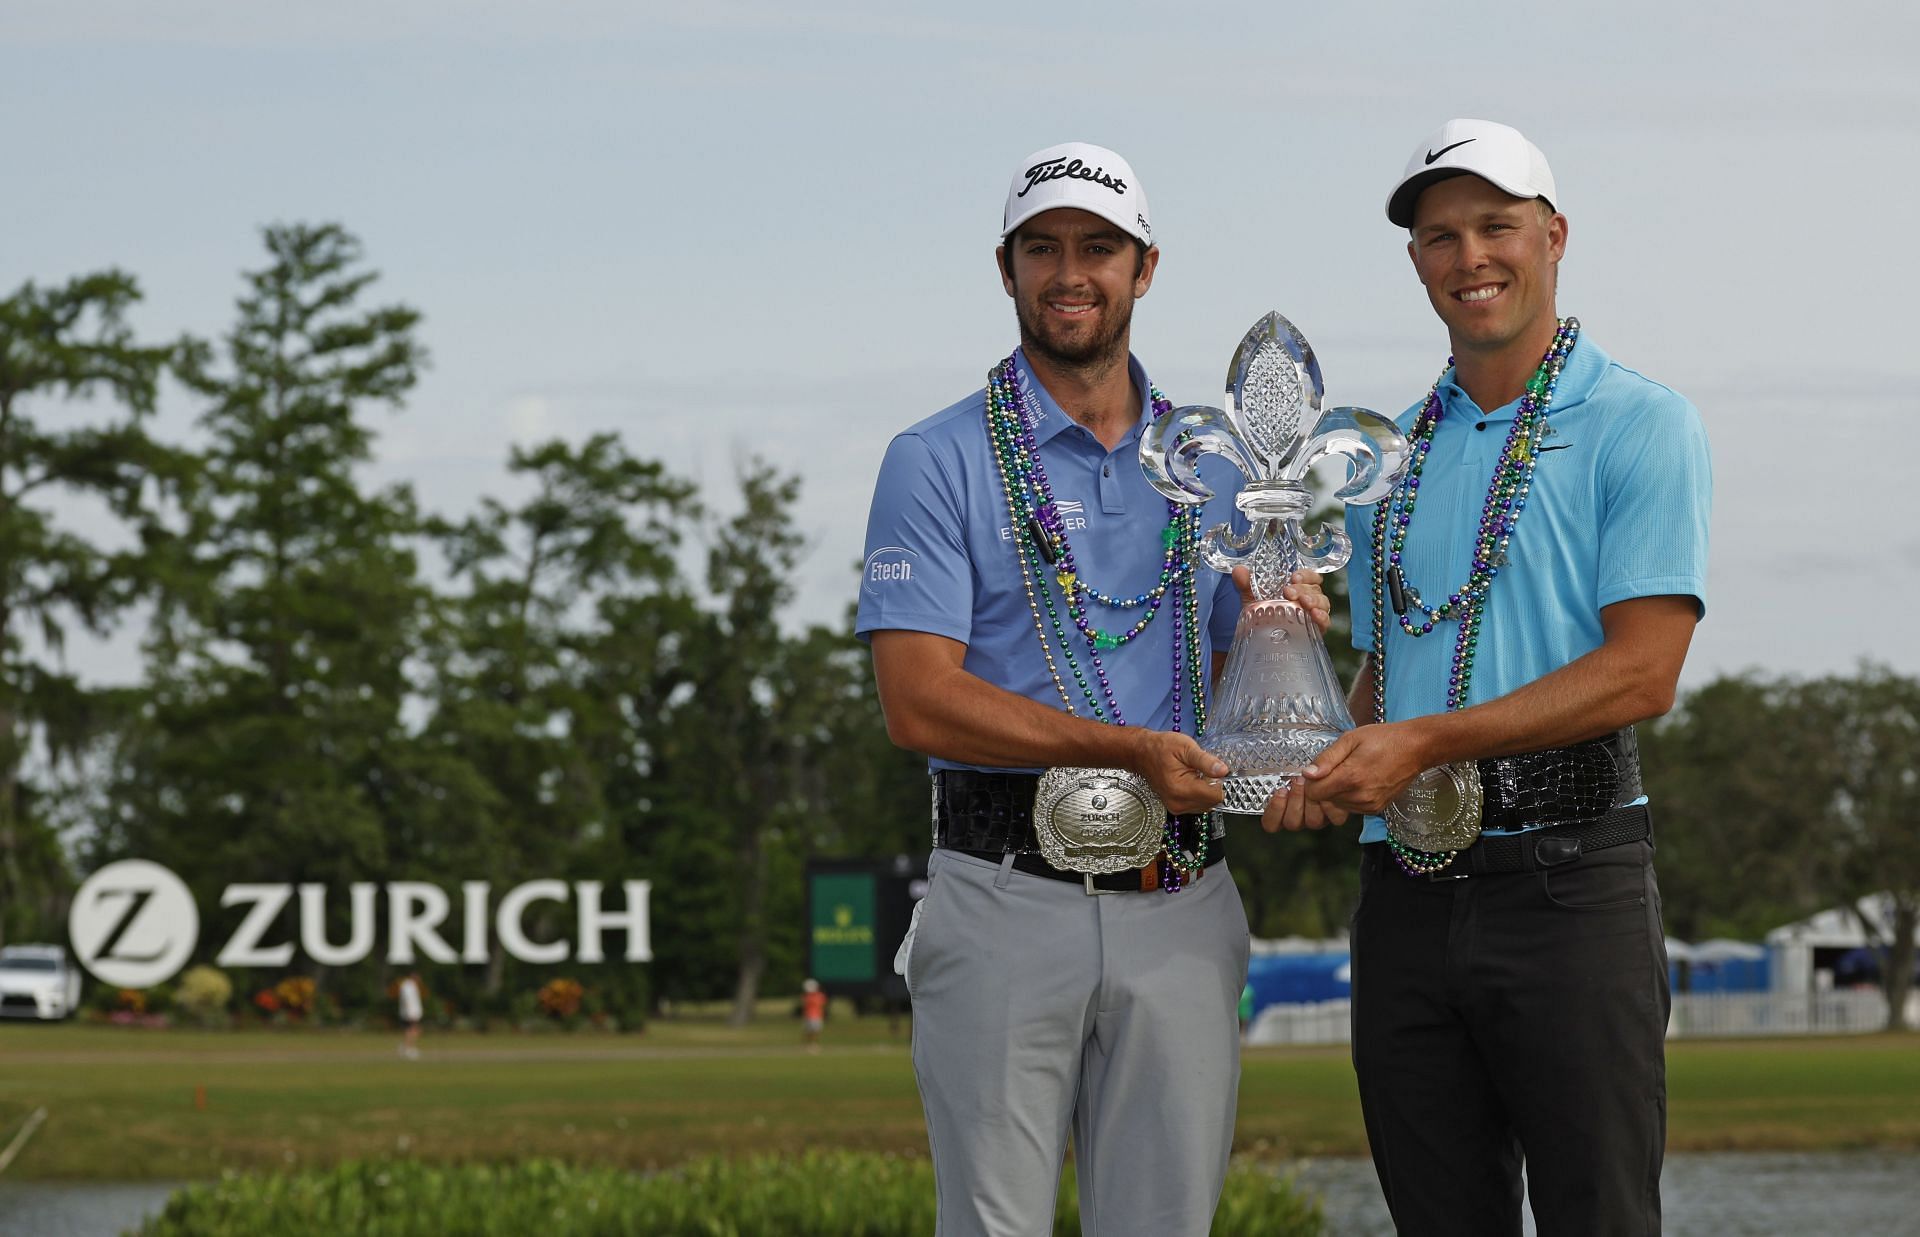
(1400, 205)
(1116, 218)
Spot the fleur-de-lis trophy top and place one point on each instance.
(1273, 431)
(1278, 702)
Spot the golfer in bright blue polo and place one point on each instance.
(1531, 589)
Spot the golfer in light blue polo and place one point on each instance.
(1034, 608)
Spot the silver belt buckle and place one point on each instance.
(1097, 821)
(1439, 812)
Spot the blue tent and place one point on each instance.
(1297, 979)
(1732, 975)
(1864, 965)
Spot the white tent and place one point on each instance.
(1262, 946)
(1719, 949)
(1838, 927)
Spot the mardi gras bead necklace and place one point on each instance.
(1499, 515)
(1041, 545)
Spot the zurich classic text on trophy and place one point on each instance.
(1278, 703)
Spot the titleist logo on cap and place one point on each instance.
(1074, 169)
(1077, 176)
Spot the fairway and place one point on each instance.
(125, 1105)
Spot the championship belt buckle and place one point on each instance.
(1096, 821)
(1439, 811)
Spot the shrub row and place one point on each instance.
(820, 1194)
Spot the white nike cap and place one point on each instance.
(1495, 153)
(1078, 176)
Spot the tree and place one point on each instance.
(1785, 797)
(68, 343)
(877, 792)
(1734, 813)
(1862, 737)
(272, 743)
(518, 683)
(758, 758)
(756, 785)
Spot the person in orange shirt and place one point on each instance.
(813, 1013)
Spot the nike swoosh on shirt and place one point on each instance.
(1435, 154)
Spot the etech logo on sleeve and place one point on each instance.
(891, 564)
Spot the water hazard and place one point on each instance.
(1705, 1194)
(78, 1209)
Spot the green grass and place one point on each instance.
(121, 1103)
(818, 1194)
(1795, 1094)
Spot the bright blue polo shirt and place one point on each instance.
(941, 557)
(1618, 510)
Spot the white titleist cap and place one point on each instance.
(1078, 176)
(1494, 152)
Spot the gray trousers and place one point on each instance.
(1037, 1006)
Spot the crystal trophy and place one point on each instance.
(1278, 703)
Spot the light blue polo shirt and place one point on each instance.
(1618, 510)
(941, 556)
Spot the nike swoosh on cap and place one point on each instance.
(1435, 154)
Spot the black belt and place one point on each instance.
(984, 811)
(1560, 785)
(1546, 847)
(989, 815)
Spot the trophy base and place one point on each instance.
(1247, 796)
(1262, 761)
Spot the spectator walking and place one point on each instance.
(411, 1010)
(813, 1013)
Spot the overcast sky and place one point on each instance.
(731, 229)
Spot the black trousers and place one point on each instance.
(1508, 1017)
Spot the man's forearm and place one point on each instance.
(1629, 678)
(954, 715)
(933, 705)
(1589, 697)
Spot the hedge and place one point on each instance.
(819, 1194)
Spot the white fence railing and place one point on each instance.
(1695, 1015)
(1320, 1022)
(1710, 1014)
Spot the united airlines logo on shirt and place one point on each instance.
(888, 565)
(1032, 411)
